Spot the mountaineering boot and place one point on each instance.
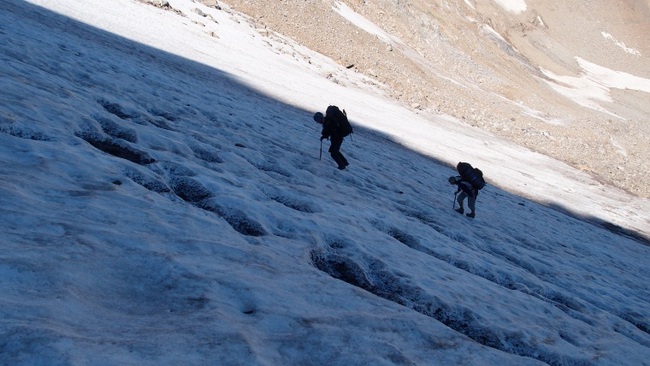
(340, 160)
(471, 214)
(460, 210)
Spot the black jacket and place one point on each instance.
(330, 129)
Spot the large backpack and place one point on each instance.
(473, 175)
(343, 126)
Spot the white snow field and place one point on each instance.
(163, 203)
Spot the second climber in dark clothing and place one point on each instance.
(469, 182)
(332, 130)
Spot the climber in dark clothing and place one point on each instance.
(332, 131)
(469, 182)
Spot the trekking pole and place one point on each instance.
(321, 150)
(454, 205)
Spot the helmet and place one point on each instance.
(318, 117)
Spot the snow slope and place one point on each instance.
(163, 203)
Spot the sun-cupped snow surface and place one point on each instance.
(164, 202)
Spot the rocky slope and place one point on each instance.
(496, 68)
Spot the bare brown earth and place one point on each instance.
(449, 62)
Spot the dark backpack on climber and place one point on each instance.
(470, 174)
(343, 126)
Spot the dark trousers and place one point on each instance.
(335, 147)
(467, 192)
